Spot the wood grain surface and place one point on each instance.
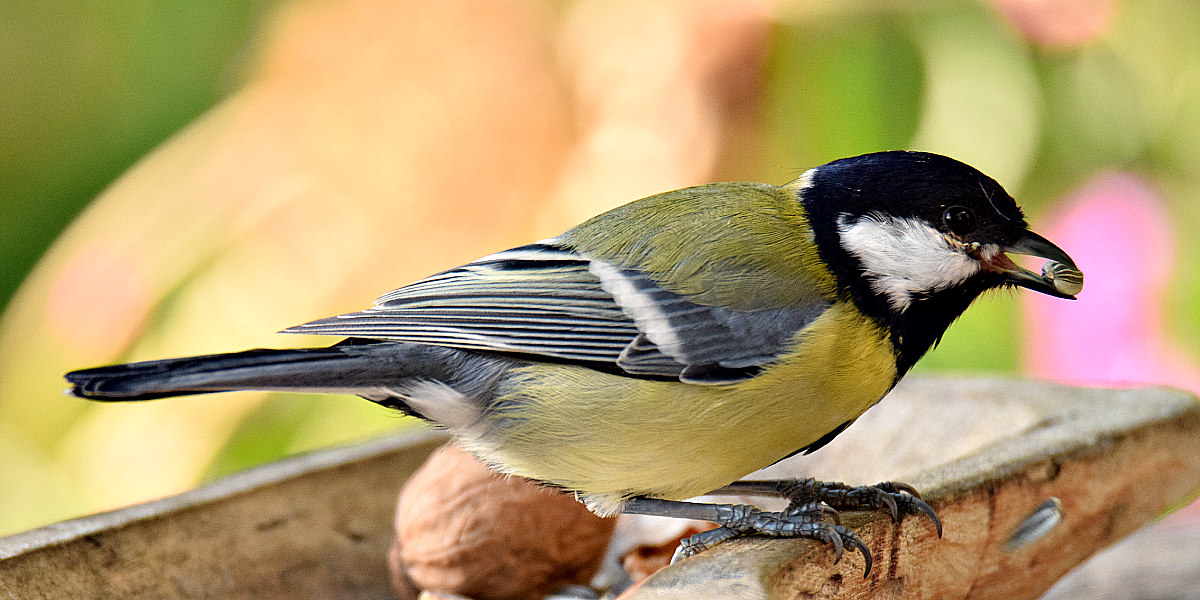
(985, 452)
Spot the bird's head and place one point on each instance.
(914, 237)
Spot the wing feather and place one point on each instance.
(547, 300)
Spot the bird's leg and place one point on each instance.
(898, 499)
(736, 520)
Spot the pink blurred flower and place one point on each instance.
(1118, 231)
(1058, 23)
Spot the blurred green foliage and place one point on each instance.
(869, 96)
(91, 87)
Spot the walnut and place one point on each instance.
(463, 529)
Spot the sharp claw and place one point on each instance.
(904, 487)
(833, 514)
(915, 502)
(928, 511)
(866, 554)
(838, 546)
(890, 502)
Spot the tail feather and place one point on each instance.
(345, 369)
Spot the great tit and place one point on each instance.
(669, 347)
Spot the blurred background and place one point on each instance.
(182, 178)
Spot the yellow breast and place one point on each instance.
(611, 437)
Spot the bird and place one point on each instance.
(667, 348)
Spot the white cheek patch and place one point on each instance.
(904, 257)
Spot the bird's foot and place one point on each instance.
(802, 521)
(898, 499)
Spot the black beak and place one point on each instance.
(1070, 279)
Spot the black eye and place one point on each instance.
(959, 220)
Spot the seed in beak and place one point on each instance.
(1066, 280)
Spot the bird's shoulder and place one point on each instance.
(745, 246)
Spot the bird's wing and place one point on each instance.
(547, 300)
